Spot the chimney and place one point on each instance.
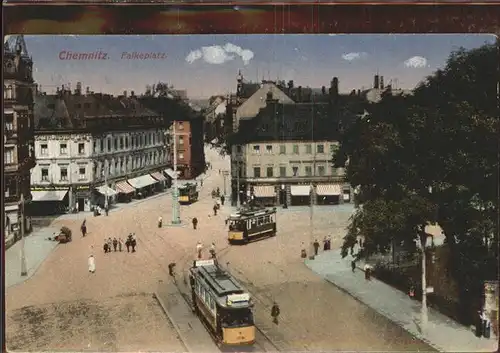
(299, 94)
(359, 92)
(132, 94)
(87, 90)
(381, 82)
(376, 82)
(125, 93)
(78, 90)
(269, 96)
(335, 86)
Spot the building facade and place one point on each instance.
(18, 134)
(190, 152)
(93, 149)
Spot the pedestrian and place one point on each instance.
(84, 228)
(120, 244)
(160, 222)
(199, 249)
(222, 199)
(105, 247)
(316, 247)
(215, 210)
(368, 272)
(325, 244)
(91, 264)
(115, 243)
(360, 242)
(219, 171)
(195, 222)
(329, 243)
(106, 209)
(128, 243)
(212, 251)
(353, 265)
(171, 270)
(110, 244)
(201, 182)
(134, 243)
(275, 313)
(352, 247)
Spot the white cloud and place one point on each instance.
(416, 62)
(354, 56)
(217, 54)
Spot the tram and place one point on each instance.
(188, 194)
(252, 224)
(222, 303)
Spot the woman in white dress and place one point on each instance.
(91, 264)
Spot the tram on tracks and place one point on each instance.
(188, 194)
(222, 303)
(251, 224)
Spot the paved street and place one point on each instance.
(315, 314)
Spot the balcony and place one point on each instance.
(297, 179)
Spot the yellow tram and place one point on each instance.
(188, 194)
(252, 224)
(222, 303)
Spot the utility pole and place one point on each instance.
(106, 183)
(24, 270)
(176, 212)
(225, 174)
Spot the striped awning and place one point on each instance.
(123, 187)
(300, 190)
(329, 189)
(171, 173)
(48, 195)
(106, 190)
(158, 176)
(264, 191)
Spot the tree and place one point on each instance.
(445, 137)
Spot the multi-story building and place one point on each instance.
(214, 116)
(18, 133)
(283, 154)
(91, 147)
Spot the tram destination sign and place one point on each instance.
(238, 298)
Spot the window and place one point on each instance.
(9, 122)
(181, 125)
(269, 149)
(64, 174)
(256, 172)
(282, 171)
(181, 140)
(95, 145)
(269, 172)
(109, 145)
(333, 148)
(282, 149)
(45, 174)
(295, 171)
(122, 145)
(256, 149)
(181, 155)
(308, 170)
(63, 148)
(126, 142)
(321, 170)
(238, 149)
(9, 156)
(102, 146)
(117, 171)
(320, 148)
(116, 143)
(81, 173)
(309, 149)
(81, 148)
(295, 149)
(44, 149)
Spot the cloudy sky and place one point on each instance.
(207, 65)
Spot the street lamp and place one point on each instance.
(24, 267)
(283, 194)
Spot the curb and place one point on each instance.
(177, 329)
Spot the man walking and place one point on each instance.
(115, 243)
(316, 247)
(83, 228)
(215, 210)
(195, 222)
(275, 313)
(353, 265)
(222, 199)
(199, 248)
(120, 244)
(160, 222)
(91, 264)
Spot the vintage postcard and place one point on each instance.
(206, 193)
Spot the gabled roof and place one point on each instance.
(50, 112)
(11, 42)
(250, 108)
(248, 89)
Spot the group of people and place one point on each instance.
(327, 245)
(199, 250)
(116, 244)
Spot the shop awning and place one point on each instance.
(158, 176)
(48, 195)
(329, 189)
(123, 187)
(142, 181)
(170, 173)
(300, 190)
(264, 191)
(106, 190)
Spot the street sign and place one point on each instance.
(430, 290)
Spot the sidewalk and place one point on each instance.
(442, 333)
(37, 249)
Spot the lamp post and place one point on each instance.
(311, 221)
(105, 172)
(24, 270)
(176, 211)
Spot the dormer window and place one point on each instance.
(9, 66)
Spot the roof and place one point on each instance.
(171, 109)
(50, 112)
(248, 89)
(257, 101)
(374, 95)
(10, 43)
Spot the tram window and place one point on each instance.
(261, 221)
(268, 219)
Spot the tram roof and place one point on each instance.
(252, 212)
